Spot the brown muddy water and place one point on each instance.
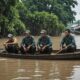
(16, 69)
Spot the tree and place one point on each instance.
(61, 8)
(43, 20)
(52, 15)
(9, 15)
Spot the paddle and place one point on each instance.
(63, 49)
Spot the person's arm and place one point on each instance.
(23, 42)
(14, 42)
(49, 43)
(11, 43)
(32, 44)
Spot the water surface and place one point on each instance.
(16, 69)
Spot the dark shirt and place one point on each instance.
(67, 40)
(44, 41)
(28, 41)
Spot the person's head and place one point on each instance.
(10, 36)
(27, 33)
(43, 33)
(67, 32)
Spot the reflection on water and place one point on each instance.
(11, 69)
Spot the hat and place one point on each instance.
(27, 31)
(43, 31)
(10, 35)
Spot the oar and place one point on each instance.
(63, 49)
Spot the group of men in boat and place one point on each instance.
(44, 44)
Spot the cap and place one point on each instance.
(43, 31)
(10, 35)
(27, 31)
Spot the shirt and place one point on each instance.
(44, 41)
(68, 40)
(28, 41)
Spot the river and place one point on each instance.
(16, 69)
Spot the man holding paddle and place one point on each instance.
(68, 42)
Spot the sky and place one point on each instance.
(77, 9)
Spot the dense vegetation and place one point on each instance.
(18, 15)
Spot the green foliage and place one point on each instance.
(9, 17)
(16, 27)
(43, 20)
(61, 8)
(52, 15)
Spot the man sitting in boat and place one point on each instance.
(44, 43)
(68, 42)
(11, 45)
(28, 44)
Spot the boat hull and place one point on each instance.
(63, 56)
(53, 56)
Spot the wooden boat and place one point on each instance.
(53, 56)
